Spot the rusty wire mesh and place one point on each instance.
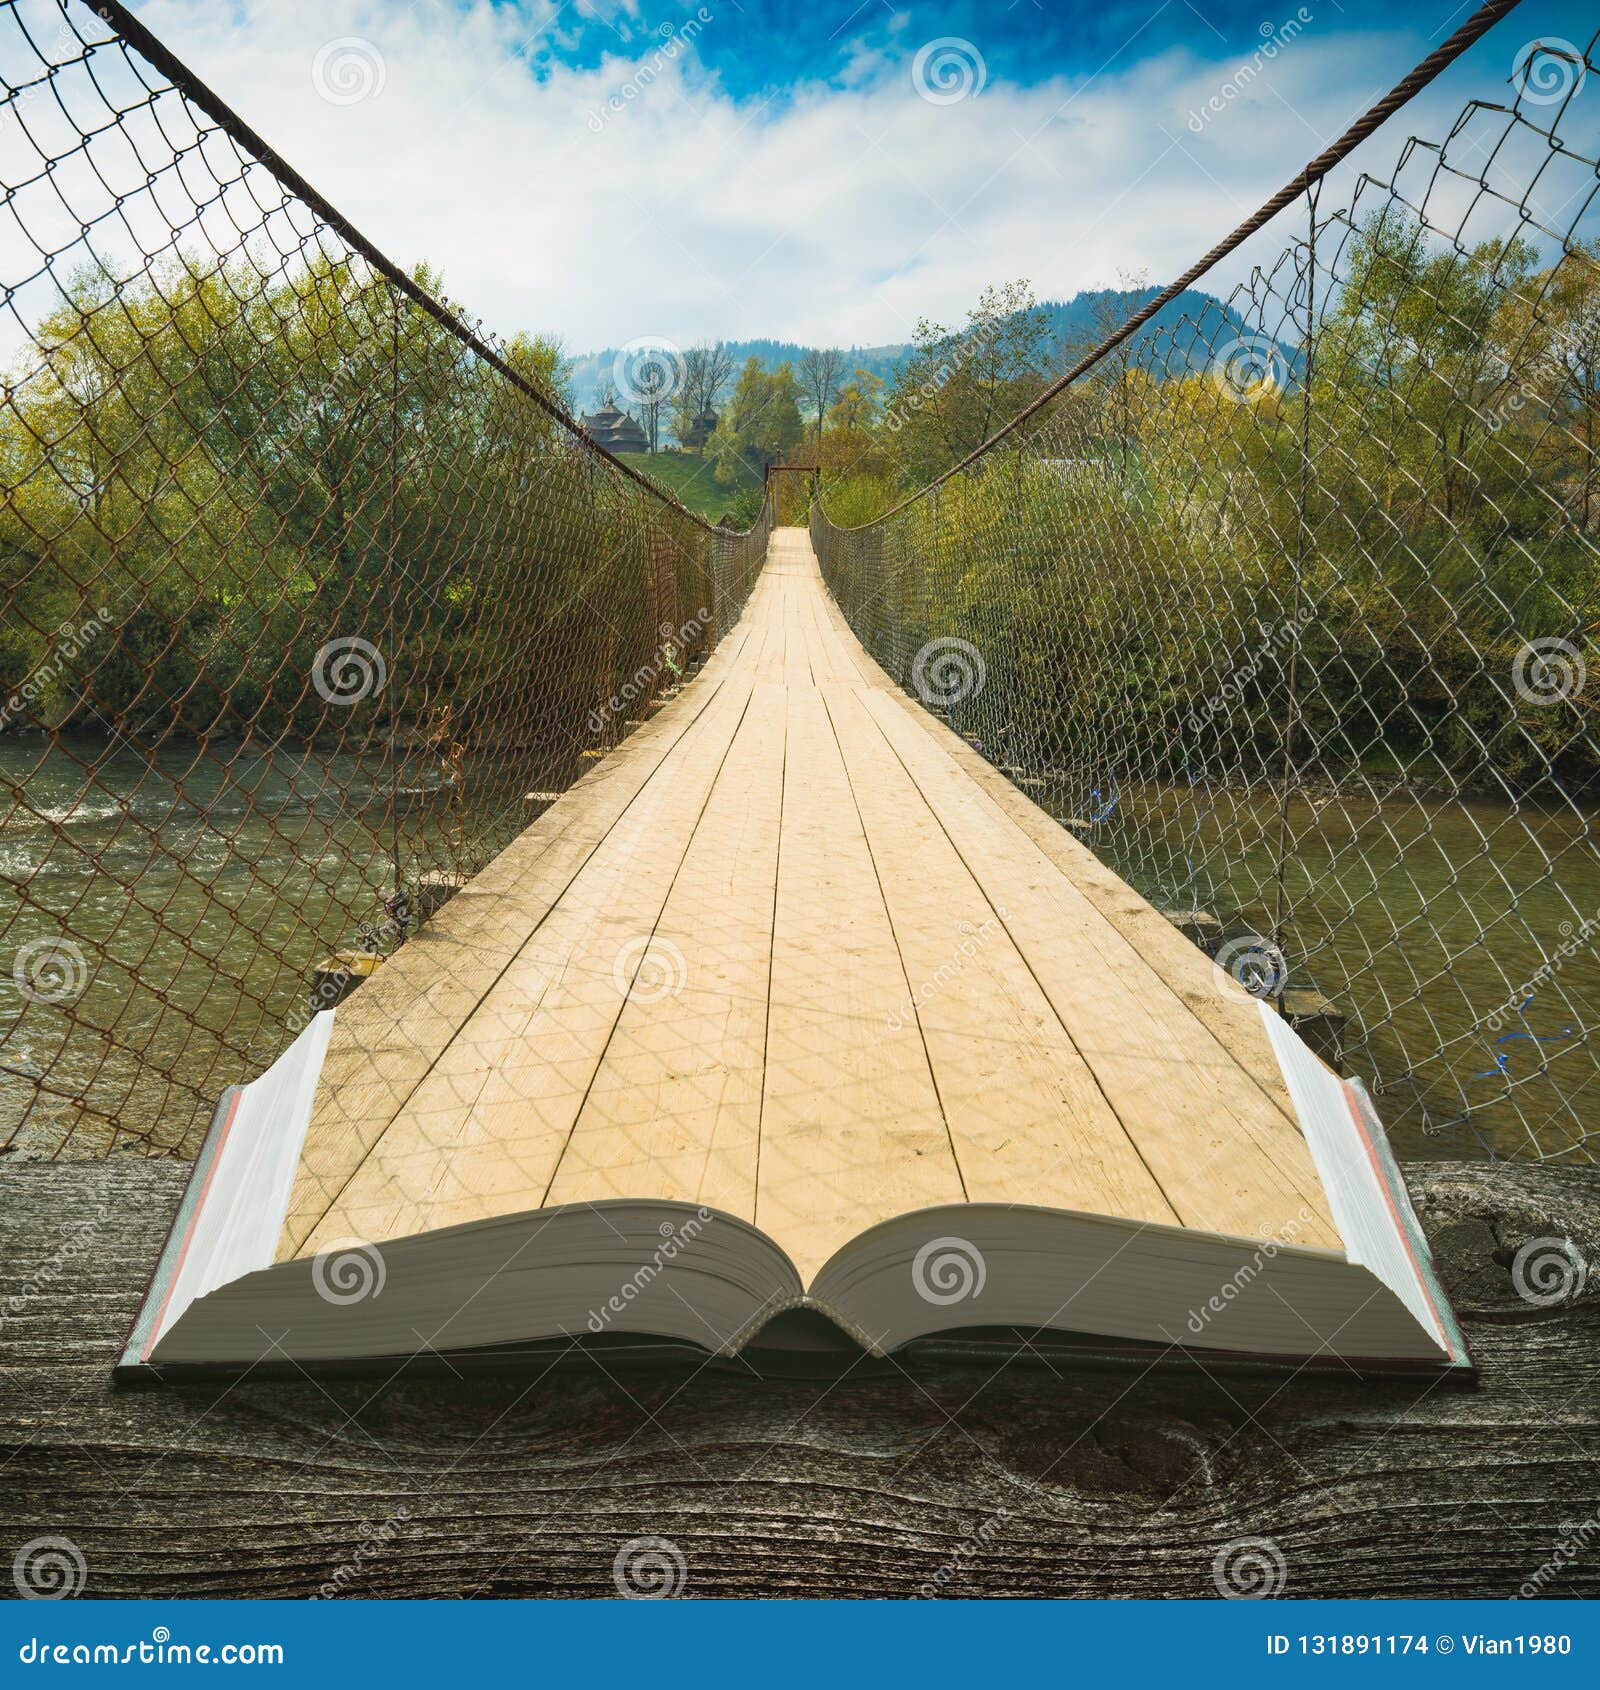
(1287, 607)
(309, 592)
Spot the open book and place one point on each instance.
(655, 1275)
(795, 1029)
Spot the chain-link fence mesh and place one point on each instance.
(1286, 605)
(313, 598)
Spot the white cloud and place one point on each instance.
(837, 214)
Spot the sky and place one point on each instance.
(609, 170)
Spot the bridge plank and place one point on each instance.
(1224, 1155)
(390, 1034)
(1223, 1152)
(483, 1132)
(1029, 1121)
(852, 1129)
(1230, 1016)
(675, 1108)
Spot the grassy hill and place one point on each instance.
(689, 479)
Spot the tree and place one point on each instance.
(1117, 376)
(761, 423)
(653, 384)
(1418, 333)
(706, 371)
(542, 359)
(957, 386)
(858, 403)
(219, 472)
(820, 369)
(1556, 329)
(853, 450)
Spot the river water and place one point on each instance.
(1458, 936)
(202, 885)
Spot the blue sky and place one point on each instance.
(770, 46)
(692, 168)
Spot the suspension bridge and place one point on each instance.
(656, 857)
(906, 954)
(1280, 603)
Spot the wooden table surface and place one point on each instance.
(1108, 1483)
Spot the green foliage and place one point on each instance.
(860, 498)
(761, 422)
(858, 407)
(1129, 571)
(957, 386)
(239, 470)
(744, 508)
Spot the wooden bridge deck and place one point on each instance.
(795, 951)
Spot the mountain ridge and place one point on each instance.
(1077, 322)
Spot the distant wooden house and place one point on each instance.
(615, 429)
(701, 429)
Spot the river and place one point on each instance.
(201, 886)
(1421, 919)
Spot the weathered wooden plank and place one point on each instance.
(1107, 1483)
